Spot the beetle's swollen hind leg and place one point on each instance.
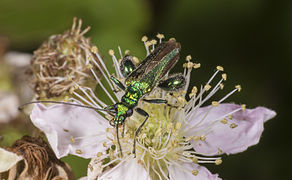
(173, 82)
(145, 114)
(118, 138)
(118, 83)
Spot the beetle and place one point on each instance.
(139, 82)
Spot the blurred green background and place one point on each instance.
(251, 39)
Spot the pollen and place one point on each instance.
(94, 49)
(215, 103)
(218, 161)
(111, 52)
(202, 137)
(238, 87)
(144, 38)
(220, 151)
(207, 87)
(224, 76)
(243, 107)
(148, 43)
(72, 139)
(153, 41)
(127, 52)
(221, 86)
(188, 58)
(233, 125)
(159, 36)
(195, 160)
(89, 66)
(224, 121)
(220, 68)
(195, 172)
(197, 65)
(196, 138)
(190, 65)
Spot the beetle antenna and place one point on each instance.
(64, 103)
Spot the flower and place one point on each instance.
(32, 158)
(176, 141)
(61, 61)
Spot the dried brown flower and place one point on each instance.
(39, 161)
(62, 61)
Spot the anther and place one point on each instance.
(195, 160)
(159, 36)
(238, 87)
(190, 65)
(153, 41)
(72, 139)
(144, 38)
(111, 52)
(218, 161)
(207, 87)
(243, 107)
(197, 65)
(196, 138)
(78, 151)
(89, 66)
(215, 103)
(230, 117)
(221, 86)
(224, 76)
(127, 52)
(94, 49)
(220, 68)
(172, 39)
(224, 121)
(99, 154)
(195, 172)
(188, 58)
(233, 125)
(220, 151)
(202, 137)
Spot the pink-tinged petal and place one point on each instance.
(71, 129)
(126, 170)
(221, 138)
(184, 171)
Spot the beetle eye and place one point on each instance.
(129, 112)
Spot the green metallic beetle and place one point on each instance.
(142, 80)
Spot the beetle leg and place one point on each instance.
(146, 115)
(159, 101)
(118, 83)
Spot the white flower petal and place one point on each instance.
(8, 160)
(63, 124)
(221, 137)
(129, 169)
(176, 173)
